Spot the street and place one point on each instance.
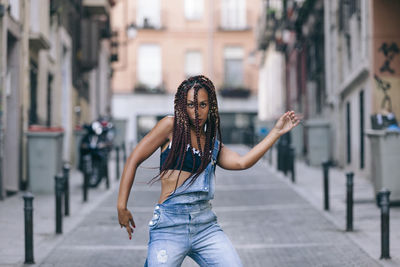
(267, 221)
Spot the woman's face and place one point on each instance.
(203, 106)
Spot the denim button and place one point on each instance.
(151, 223)
(205, 188)
(157, 207)
(155, 216)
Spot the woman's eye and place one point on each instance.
(190, 105)
(203, 105)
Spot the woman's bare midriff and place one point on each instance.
(168, 183)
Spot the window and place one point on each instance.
(48, 100)
(14, 8)
(148, 14)
(33, 116)
(194, 9)
(149, 65)
(233, 57)
(193, 63)
(233, 14)
(35, 16)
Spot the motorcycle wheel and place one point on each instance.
(96, 176)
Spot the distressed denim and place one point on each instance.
(184, 225)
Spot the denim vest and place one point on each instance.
(203, 187)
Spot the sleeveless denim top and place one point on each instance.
(203, 187)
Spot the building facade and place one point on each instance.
(49, 82)
(342, 69)
(161, 43)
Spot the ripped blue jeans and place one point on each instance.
(181, 230)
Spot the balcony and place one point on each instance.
(233, 21)
(150, 22)
(98, 7)
(39, 25)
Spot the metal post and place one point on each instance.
(279, 156)
(325, 166)
(117, 161)
(285, 158)
(292, 165)
(28, 213)
(124, 151)
(384, 203)
(86, 174)
(59, 190)
(66, 169)
(106, 172)
(349, 201)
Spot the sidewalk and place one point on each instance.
(12, 245)
(269, 222)
(366, 214)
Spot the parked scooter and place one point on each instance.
(97, 143)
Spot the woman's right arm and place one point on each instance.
(145, 148)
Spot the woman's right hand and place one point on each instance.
(126, 220)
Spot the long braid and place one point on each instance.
(181, 136)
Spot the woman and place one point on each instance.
(183, 223)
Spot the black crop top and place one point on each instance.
(188, 161)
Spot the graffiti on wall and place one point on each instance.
(389, 52)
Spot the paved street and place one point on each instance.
(269, 223)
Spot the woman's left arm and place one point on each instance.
(231, 160)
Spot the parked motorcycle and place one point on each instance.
(95, 146)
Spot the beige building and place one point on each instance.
(160, 43)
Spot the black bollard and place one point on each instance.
(325, 166)
(279, 156)
(28, 214)
(87, 165)
(285, 158)
(59, 192)
(106, 172)
(292, 165)
(66, 169)
(349, 201)
(124, 151)
(117, 162)
(384, 203)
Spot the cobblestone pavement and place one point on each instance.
(268, 222)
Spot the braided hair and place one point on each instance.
(181, 132)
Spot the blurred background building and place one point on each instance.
(158, 44)
(339, 63)
(55, 74)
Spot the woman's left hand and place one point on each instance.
(287, 122)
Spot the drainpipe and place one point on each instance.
(2, 94)
(211, 41)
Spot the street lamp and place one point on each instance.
(131, 31)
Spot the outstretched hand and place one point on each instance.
(126, 220)
(287, 122)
